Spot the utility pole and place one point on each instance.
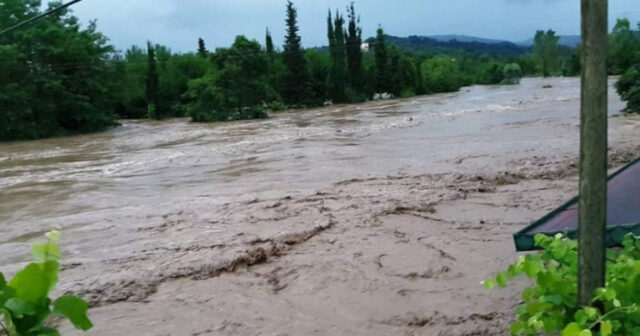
(593, 150)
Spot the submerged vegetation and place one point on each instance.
(60, 78)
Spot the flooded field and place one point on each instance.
(373, 219)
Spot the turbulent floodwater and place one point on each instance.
(150, 165)
(147, 205)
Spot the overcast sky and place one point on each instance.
(179, 23)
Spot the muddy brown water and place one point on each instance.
(149, 207)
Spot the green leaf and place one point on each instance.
(8, 321)
(532, 267)
(489, 284)
(45, 251)
(48, 332)
(53, 235)
(585, 332)
(3, 282)
(572, 329)
(502, 278)
(34, 282)
(75, 309)
(581, 317)
(606, 328)
(19, 307)
(591, 312)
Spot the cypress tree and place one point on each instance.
(422, 87)
(354, 52)
(338, 76)
(202, 50)
(153, 84)
(297, 87)
(383, 78)
(269, 45)
(330, 34)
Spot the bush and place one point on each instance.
(512, 74)
(276, 106)
(550, 305)
(442, 74)
(628, 86)
(25, 303)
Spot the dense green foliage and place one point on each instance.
(24, 300)
(58, 78)
(550, 305)
(629, 88)
(42, 92)
(624, 48)
(237, 87)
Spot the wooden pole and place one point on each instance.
(593, 150)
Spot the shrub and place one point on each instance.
(550, 305)
(276, 106)
(512, 74)
(24, 300)
(628, 86)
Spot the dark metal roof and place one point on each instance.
(623, 212)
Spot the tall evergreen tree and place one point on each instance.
(383, 77)
(354, 52)
(330, 34)
(269, 45)
(338, 75)
(153, 84)
(202, 49)
(421, 87)
(297, 87)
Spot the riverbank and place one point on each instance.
(373, 219)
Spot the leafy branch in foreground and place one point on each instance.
(24, 300)
(550, 305)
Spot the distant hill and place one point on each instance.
(565, 40)
(465, 38)
(444, 43)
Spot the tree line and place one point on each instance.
(60, 78)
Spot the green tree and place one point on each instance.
(545, 51)
(383, 75)
(512, 73)
(269, 45)
(297, 85)
(573, 65)
(628, 87)
(421, 88)
(202, 49)
(338, 75)
(319, 66)
(238, 90)
(153, 84)
(57, 77)
(354, 51)
(624, 47)
(442, 74)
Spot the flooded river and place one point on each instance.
(147, 203)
